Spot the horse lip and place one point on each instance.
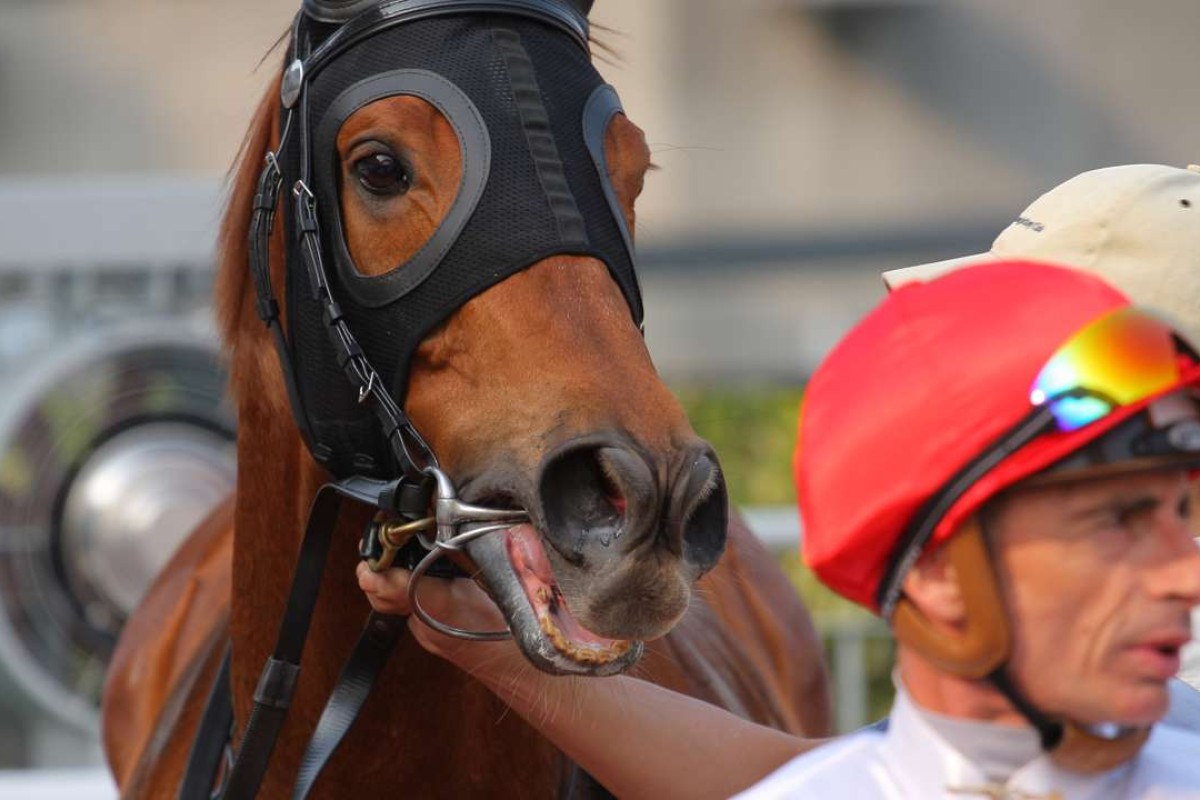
(489, 553)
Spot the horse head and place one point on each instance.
(475, 183)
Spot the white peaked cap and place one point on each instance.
(1136, 226)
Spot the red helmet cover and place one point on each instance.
(926, 382)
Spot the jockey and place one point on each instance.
(996, 461)
(1134, 226)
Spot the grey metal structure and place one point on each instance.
(115, 438)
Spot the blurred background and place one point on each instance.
(804, 146)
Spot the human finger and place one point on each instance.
(459, 603)
(387, 591)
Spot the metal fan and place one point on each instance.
(110, 453)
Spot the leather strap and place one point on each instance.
(277, 683)
(212, 739)
(353, 687)
(262, 224)
(398, 430)
(391, 13)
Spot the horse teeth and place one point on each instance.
(581, 655)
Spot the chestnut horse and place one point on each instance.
(539, 392)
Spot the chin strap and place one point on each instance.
(1069, 744)
(1049, 731)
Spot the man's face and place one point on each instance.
(1099, 577)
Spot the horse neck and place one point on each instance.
(277, 481)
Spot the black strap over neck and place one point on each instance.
(349, 695)
(277, 683)
(212, 742)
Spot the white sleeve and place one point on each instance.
(840, 769)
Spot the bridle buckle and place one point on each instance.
(391, 536)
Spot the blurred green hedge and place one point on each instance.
(753, 430)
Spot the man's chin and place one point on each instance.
(1138, 706)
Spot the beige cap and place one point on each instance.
(1136, 226)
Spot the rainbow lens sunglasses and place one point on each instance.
(1120, 358)
(1124, 356)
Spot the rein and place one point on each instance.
(278, 680)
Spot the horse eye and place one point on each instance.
(382, 174)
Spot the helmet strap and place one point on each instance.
(984, 645)
(1069, 744)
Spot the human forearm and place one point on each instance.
(641, 740)
(637, 738)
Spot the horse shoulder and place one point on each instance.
(167, 642)
(748, 644)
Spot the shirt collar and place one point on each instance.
(924, 764)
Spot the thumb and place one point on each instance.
(386, 591)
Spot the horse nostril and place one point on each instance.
(586, 495)
(704, 506)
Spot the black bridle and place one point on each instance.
(404, 482)
(366, 328)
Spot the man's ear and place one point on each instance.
(933, 587)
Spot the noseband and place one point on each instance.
(535, 184)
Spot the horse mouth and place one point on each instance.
(517, 572)
(533, 573)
